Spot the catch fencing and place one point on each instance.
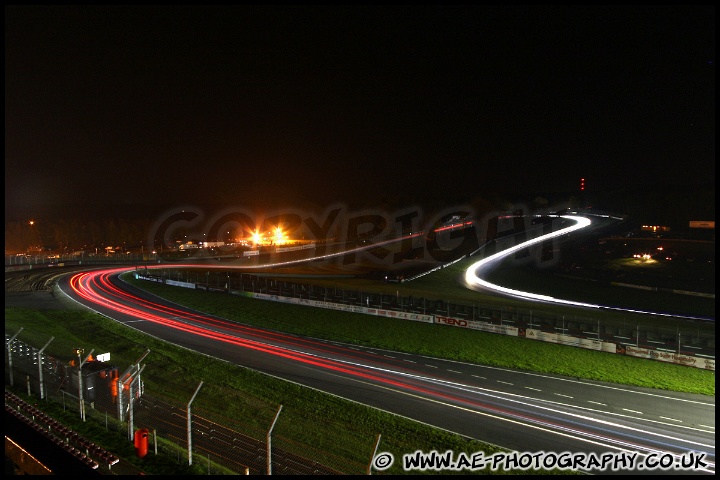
(689, 343)
(266, 440)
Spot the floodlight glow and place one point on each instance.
(279, 237)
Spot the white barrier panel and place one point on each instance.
(588, 343)
(673, 358)
(347, 308)
(452, 321)
(696, 294)
(637, 352)
(287, 249)
(591, 344)
(275, 298)
(540, 335)
(670, 357)
(565, 339)
(251, 253)
(477, 325)
(706, 363)
(416, 317)
(311, 303)
(550, 337)
(150, 279)
(490, 328)
(180, 284)
(337, 306)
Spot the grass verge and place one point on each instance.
(354, 426)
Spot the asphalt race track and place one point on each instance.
(520, 411)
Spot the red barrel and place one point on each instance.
(141, 442)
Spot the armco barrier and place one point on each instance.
(530, 333)
(587, 343)
(614, 347)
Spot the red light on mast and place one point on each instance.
(582, 184)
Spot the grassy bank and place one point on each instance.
(342, 430)
(441, 341)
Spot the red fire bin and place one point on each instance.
(141, 442)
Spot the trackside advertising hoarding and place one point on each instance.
(588, 343)
(347, 308)
(663, 356)
(531, 333)
(477, 325)
(417, 317)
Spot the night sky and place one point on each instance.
(150, 107)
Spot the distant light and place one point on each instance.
(279, 237)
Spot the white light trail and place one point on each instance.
(472, 280)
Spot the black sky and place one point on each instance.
(244, 106)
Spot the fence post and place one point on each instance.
(8, 347)
(40, 372)
(372, 458)
(119, 388)
(269, 448)
(189, 422)
(121, 380)
(131, 402)
(79, 352)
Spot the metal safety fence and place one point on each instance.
(653, 333)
